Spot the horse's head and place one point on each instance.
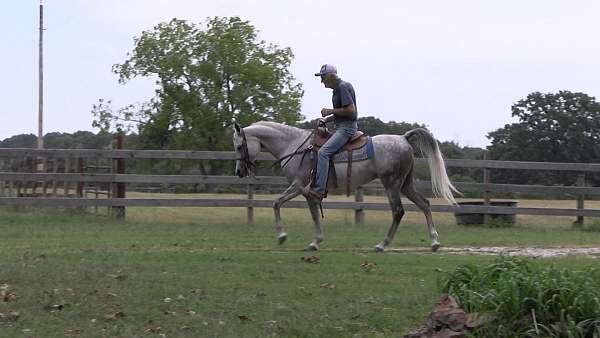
(246, 148)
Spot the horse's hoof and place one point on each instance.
(379, 248)
(313, 247)
(435, 247)
(281, 238)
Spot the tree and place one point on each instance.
(372, 126)
(561, 127)
(205, 78)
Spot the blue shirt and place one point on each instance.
(343, 95)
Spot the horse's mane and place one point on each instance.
(279, 126)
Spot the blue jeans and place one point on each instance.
(343, 132)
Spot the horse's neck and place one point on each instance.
(278, 141)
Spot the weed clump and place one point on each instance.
(525, 299)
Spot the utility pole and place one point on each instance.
(40, 143)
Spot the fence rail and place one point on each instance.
(227, 155)
(278, 180)
(72, 156)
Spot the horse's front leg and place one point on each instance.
(289, 193)
(316, 215)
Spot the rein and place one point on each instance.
(295, 152)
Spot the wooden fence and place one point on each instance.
(52, 177)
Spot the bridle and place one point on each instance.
(248, 165)
(245, 159)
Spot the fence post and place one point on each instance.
(119, 168)
(45, 182)
(580, 200)
(2, 182)
(54, 170)
(66, 183)
(80, 170)
(359, 213)
(486, 192)
(250, 211)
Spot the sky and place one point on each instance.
(455, 66)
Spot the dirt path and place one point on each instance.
(512, 251)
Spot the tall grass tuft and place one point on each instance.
(525, 299)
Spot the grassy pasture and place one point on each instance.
(193, 272)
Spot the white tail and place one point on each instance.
(440, 183)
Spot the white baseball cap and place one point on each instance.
(327, 69)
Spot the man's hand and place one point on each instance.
(324, 120)
(344, 111)
(326, 112)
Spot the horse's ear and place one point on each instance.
(237, 128)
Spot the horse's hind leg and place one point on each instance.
(393, 192)
(287, 195)
(408, 189)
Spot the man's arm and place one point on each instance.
(346, 111)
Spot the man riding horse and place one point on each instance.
(392, 161)
(344, 116)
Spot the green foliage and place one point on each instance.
(512, 291)
(372, 126)
(20, 141)
(593, 226)
(205, 78)
(76, 140)
(552, 127)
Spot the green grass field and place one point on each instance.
(193, 272)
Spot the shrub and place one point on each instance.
(524, 299)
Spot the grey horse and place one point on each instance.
(392, 163)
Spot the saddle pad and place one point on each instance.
(361, 154)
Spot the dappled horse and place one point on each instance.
(392, 163)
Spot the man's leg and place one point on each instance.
(337, 141)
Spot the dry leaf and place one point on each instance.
(368, 266)
(328, 286)
(155, 329)
(115, 316)
(170, 313)
(475, 320)
(119, 277)
(304, 291)
(55, 307)
(274, 327)
(75, 332)
(7, 296)
(311, 259)
(9, 317)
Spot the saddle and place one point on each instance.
(357, 141)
